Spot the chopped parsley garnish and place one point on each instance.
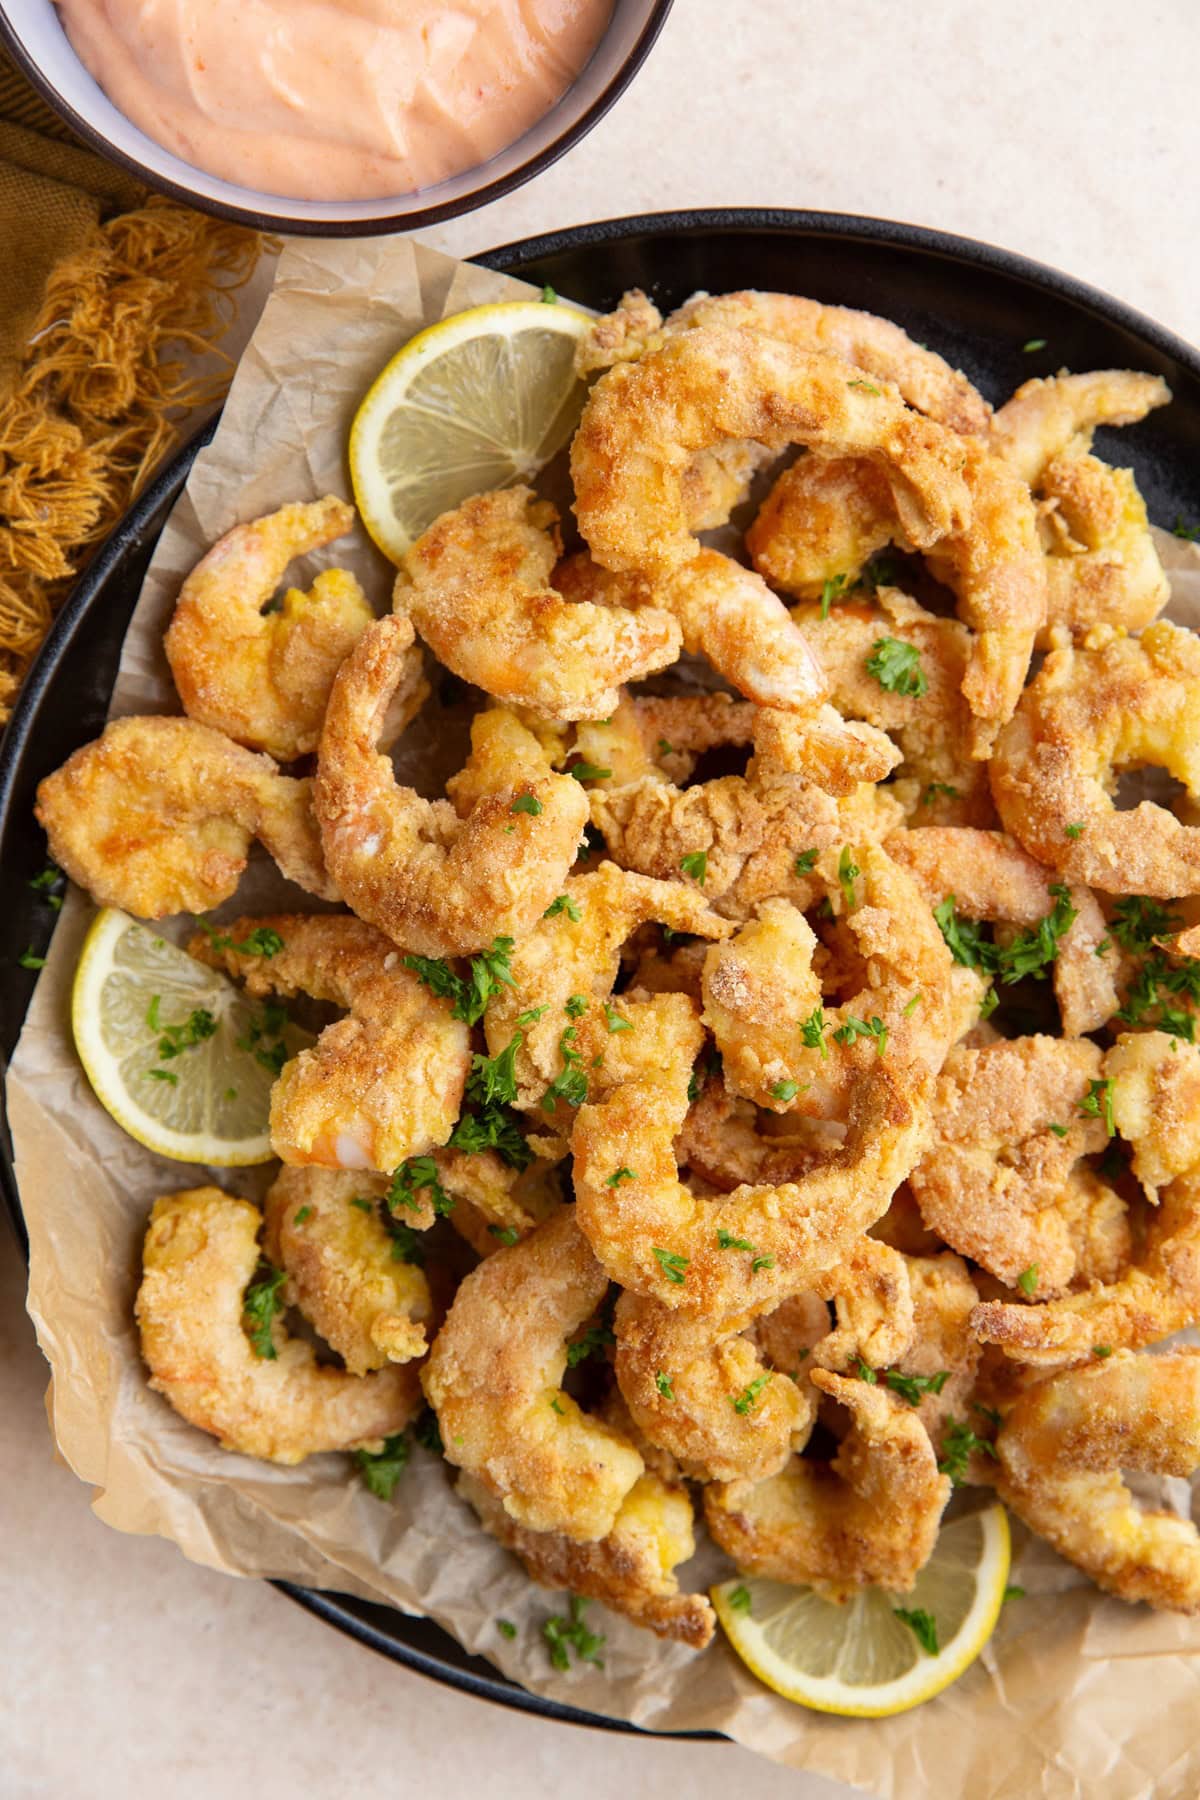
(1102, 1350)
(489, 972)
(896, 666)
(1181, 529)
(549, 297)
(197, 1028)
(727, 1241)
(922, 1624)
(263, 1037)
(739, 1598)
(1138, 922)
(762, 1262)
(1060, 1131)
(664, 748)
(563, 1635)
(695, 864)
(866, 385)
(508, 1235)
(663, 1383)
(745, 1401)
(911, 1006)
(931, 792)
(532, 1016)
(1012, 1592)
(304, 1214)
(29, 959)
(576, 1006)
(571, 1083)
(1032, 344)
(261, 1303)
(526, 803)
(913, 1387)
(564, 904)
(494, 1078)
(593, 1340)
(958, 1446)
(406, 1243)
(707, 1066)
(805, 862)
(264, 940)
(865, 1372)
(831, 590)
(493, 1128)
(853, 1029)
(848, 873)
(1027, 1280)
(49, 885)
(417, 1175)
(557, 1406)
(673, 1266)
(382, 1469)
(366, 1206)
(167, 1075)
(989, 1003)
(616, 1021)
(620, 1175)
(505, 1627)
(588, 771)
(785, 1090)
(1073, 831)
(1030, 953)
(426, 1432)
(1097, 1103)
(812, 1032)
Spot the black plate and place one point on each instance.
(975, 304)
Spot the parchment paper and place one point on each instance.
(1075, 1694)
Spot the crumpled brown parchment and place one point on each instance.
(1076, 1694)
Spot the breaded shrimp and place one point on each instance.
(383, 1084)
(156, 816)
(494, 1375)
(942, 1342)
(1062, 1448)
(1087, 714)
(200, 1255)
(705, 387)
(988, 876)
(938, 782)
(868, 1519)
(724, 1142)
(873, 1306)
(1008, 1131)
(436, 883)
(476, 586)
(324, 1228)
(763, 999)
(494, 1203)
(565, 956)
(656, 1237)
(821, 523)
(1155, 1097)
(1101, 564)
(631, 1569)
(263, 677)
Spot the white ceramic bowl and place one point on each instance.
(35, 39)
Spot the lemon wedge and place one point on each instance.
(181, 1059)
(478, 401)
(859, 1658)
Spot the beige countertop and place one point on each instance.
(1061, 129)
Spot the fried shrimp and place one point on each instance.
(1061, 1451)
(1154, 1090)
(821, 523)
(631, 1569)
(573, 955)
(381, 1085)
(1086, 715)
(200, 1255)
(323, 1226)
(436, 883)
(987, 876)
(156, 816)
(763, 1001)
(1008, 1132)
(706, 387)
(655, 1236)
(476, 586)
(938, 783)
(1101, 564)
(493, 1379)
(263, 677)
(868, 1518)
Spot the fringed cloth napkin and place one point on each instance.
(107, 299)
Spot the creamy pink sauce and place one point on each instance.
(334, 99)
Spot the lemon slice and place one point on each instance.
(136, 997)
(859, 1659)
(478, 401)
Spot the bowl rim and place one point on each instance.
(334, 1609)
(372, 226)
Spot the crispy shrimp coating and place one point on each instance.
(434, 882)
(156, 816)
(942, 1342)
(705, 387)
(938, 782)
(200, 1255)
(476, 586)
(763, 1001)
(1048, 417)
(657, 1238)
(723, 1140)
(1087, 714)
(631, 1569)
(1061, 1451)
(823, 520)
(566, 956)
(378, 1086)
(263, 678)
(1155, 1098)
(494, 1204)
(324, 1228)
(988, 876)
(1008, 1133)
(493, 1378)
(867, 1519)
